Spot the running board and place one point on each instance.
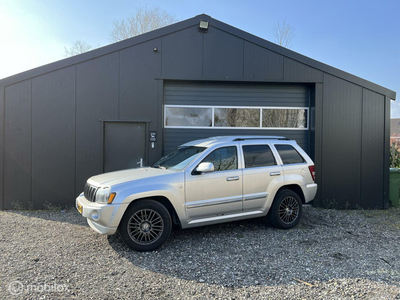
(225, 217)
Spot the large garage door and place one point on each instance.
(199, 110)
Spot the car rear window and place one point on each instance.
(289, 155)
(258, 156)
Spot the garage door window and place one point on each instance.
(236, 117)
(224, 117)
(289, 118)
(188, 116)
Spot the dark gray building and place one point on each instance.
(111, 107)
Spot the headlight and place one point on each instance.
(103, 195)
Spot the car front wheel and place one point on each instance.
(286, 210)
(146, 225)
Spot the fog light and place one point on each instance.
(95, 215)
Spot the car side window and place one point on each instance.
(258, 156)
(223, 158)
(289, 155)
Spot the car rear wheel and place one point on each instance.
(286, 210)
(146, 225)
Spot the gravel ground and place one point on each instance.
(330, 255)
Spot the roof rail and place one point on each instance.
(261, 138)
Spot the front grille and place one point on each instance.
(90, 192)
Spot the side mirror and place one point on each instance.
(205, 167)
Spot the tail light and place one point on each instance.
(312, 171)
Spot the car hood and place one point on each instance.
(113, 178)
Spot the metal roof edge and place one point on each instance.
(302, 58)
(60, 64)
(98, 52)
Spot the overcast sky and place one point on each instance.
(359, 37)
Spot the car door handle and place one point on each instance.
(275, 173)
(232, 178)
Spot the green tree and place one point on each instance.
(394, 156)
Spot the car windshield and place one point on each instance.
(178, 159)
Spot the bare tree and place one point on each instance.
(77, 47)
(143, 20)
(283, 33)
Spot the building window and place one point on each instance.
(225, 117)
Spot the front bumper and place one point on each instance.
(101, 229)
(102, 218)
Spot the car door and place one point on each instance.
(215, 193)
(261, 176)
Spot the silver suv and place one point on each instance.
(203, 182)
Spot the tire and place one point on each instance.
(145, 226)
(286, 210)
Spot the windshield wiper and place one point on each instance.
(160, 167)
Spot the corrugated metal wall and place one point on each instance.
(353, 145)
(53, 132)
(372, 150)
(18, 143)
(53, 137)
(341, 142)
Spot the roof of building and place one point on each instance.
(189, 23)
